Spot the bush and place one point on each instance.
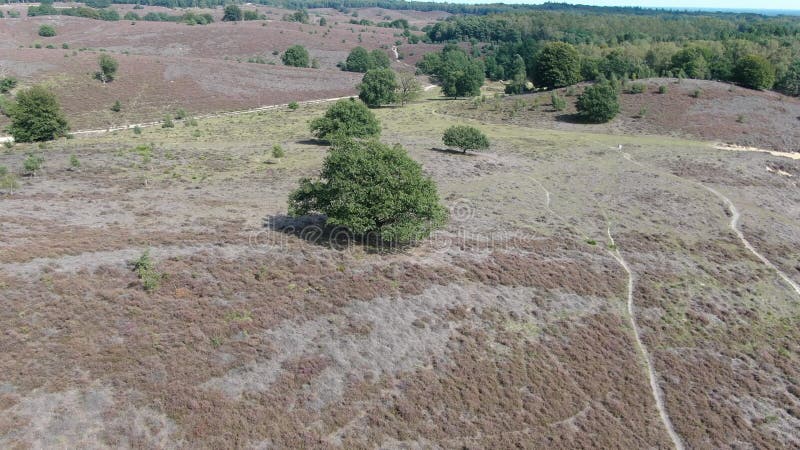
(74, 163)
(147, 272)
(250, 15)
(232, 14)
(108, 69)
(755, 72)
(7, 84)
(559, 104)
(696, 93)
(599, 103)
(636, 88)
(378, 87)
(662, 89)
(47, 31)
(465, 138)
(117, 106)
(296, 56)
(8, 182)
(277, 151)
(181, 114)
(168, 123)
(346, 118)
(137, 130)
(32, 164)
(558, 64)
(36, 116)
(375, 191)
(294, 106)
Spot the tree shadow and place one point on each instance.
(313, 141)
(453, 152)
(314, 229)
(574, 118)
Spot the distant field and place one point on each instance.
(510, 329)
(202, 69)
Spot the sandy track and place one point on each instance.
(734, 225)
(658, 395)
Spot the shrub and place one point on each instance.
(7, 84)
(108, 69)
(558, 64)
(696, 93)
(117, 106)
(65, 46)
(294, 106)
(465, 138)
(375, 191)
(636, 88)
(232, 14)
(346, 118)
(378, 87)
(277, 151)
(47, 31)
(755, 72)
(662, 89)
(599, 103)
(168, 123)
(8, 181)
(250, 15)
(36, 116)
(147, 272)
(32, 164)
(296, 56)
(559, 104)
(137, 130)
(73, 162)
(181, 114)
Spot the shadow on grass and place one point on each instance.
(453, 152)
(313, 141)
(576, 118)
(315, 230)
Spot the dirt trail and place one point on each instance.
(656, 392)
(735, 215)
(658, 395)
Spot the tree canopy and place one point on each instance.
(36, 116)
(346, 118)
(378, 87)
(296, 56)
(465, 138)
(232, 14)
(754, 71)
(558, 64)
(375, 191)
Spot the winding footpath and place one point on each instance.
(734, 225)
(655, 389)
(658, 395)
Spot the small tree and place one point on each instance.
(375, 191)
(322, 22)
(36, 116)
(346, 118)
(378, 87)
(755, 72)
(32, 164)
(599, 103)
(358, 60)
(108, 68)
(232, 14)
(465, 138)
(47, 31)
(296, 56)
(408, 88)
(117, 106)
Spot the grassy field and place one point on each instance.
(510, 327)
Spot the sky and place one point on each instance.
(727, 4)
